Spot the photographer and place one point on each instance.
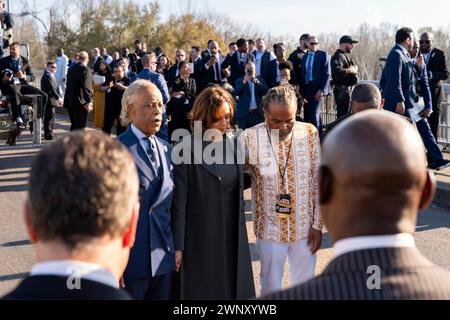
(16, 73)
(114, 92)
(250, 90)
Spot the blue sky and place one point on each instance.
(313, 16)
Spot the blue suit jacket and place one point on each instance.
(158, 80)
(321, 72)
(398, 80)
(243, 91)
(153, 252)
(421, 75)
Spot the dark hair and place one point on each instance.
(240, 42)
(15, 43)
(304, 36)
(209, 41)
(206, 106)
(168, 64)
(285, 65)
(403, 34)
(82, 187)
(158, 50)
(182, 64)
(50, 63)
(251, 42)
(197, 48)
(277, 45)
(232, 44)
(367, 93)
(137, 41)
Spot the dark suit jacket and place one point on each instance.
(50, 87)
(244, 94)
(172, 75)
(437, 67)
(153, 252)
(265, 59)
(55, 288)
(405, 274)
(271, 75)
(296, 58)
(79, 87)
(237, 67)
(397, 80)
(25, 67)
(208, 75)
(321, 73)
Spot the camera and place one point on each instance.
(7, 72)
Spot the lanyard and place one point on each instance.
(282, 172)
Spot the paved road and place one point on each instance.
(17, 256)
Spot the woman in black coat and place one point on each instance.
(210, 234)
(183, 95)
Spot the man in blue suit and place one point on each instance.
(397, 80)
(149, 73)
(315, 81)
(238, 61)
(149, 272)
(250, 90)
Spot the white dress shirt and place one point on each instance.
(372, 242)
(138, 133)
(67, 268)
(258, 57)
(253, 104)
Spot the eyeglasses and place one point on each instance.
(425, 41)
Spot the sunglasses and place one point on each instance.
(314, 43)
(425, 41)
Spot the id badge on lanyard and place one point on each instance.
(283, 206)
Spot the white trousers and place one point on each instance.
(61, 87)
(273, 259)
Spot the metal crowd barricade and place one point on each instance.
(329, 113)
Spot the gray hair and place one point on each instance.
(130, 93)
(146, 58)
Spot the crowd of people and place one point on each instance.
(173, 225)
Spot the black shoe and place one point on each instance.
(20, 125)
(440, 164)
(49, 137)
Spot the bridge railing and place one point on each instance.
(329, 113)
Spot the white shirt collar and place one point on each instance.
(371, 242)
(85, 270)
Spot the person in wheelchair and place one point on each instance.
(16, 74)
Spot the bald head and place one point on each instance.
(373, 176)
(426, 42)
(365, 96)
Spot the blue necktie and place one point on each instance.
(152, 151)
(309, 66)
